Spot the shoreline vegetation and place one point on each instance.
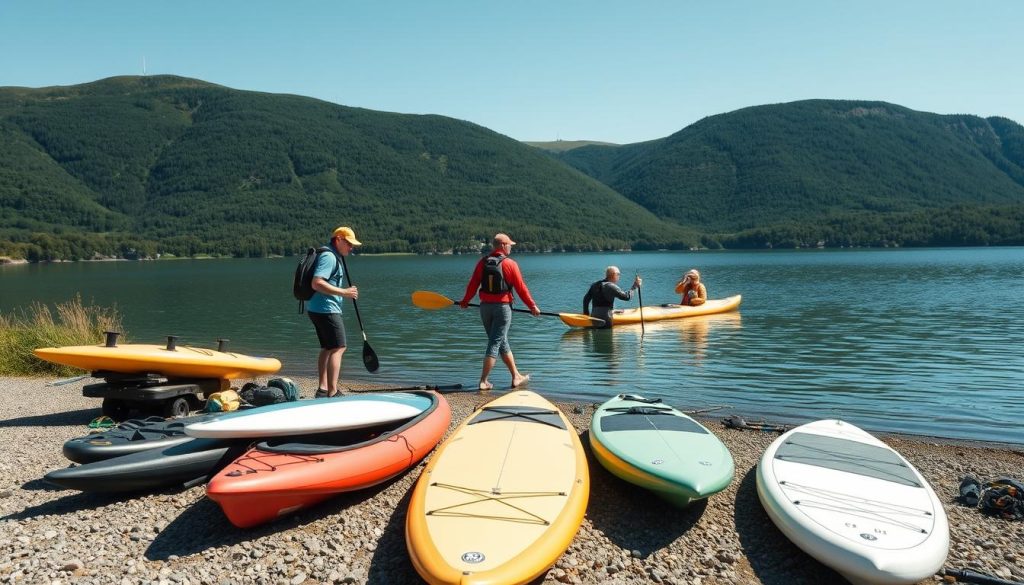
(9, 261)
(68, 323)
(627, 537)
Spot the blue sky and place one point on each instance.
(540, 70)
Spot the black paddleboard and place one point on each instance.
(131, 436)
(170, 466)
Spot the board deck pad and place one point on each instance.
(520, 414)
(846, 455)
(641, 421)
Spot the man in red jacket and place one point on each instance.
(495, 277)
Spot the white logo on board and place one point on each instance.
(473, 557)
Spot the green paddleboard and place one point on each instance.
(652, 445)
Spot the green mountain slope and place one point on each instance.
(825, 170)
(139, 165)
(564, 145)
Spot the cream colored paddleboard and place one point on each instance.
(502, 498)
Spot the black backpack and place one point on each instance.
(302, 286)
(493, 279)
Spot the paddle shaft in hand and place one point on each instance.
(640, 299)
(425, 299)
(369, 356)
(514, 309)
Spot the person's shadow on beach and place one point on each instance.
(624, 513)
(70, 418)
(773, 557)
(68, 504)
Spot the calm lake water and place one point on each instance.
(917, 341)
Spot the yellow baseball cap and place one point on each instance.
(348, 234)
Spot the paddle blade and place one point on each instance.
(580, 320)
(370, 358)
(426, 299)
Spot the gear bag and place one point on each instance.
(493, 279)
(1004, 498)
(276, 391)
(302, 285)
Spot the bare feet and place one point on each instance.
(517, 382)
(486, 385)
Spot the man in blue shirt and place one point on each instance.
(324, 309)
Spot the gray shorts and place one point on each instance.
(330, 329)
(497, 317)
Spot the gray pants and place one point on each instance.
(497, 317)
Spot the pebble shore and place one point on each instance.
(50, 535)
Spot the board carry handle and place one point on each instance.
(111, 338)
(172, 343)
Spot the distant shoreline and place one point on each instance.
(5, 261)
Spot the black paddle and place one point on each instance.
(425, 387)
(640, 299)
(969, 576)
(369, 356)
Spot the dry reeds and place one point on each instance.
(22, 331)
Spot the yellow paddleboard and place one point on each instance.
(502, 498)
(182, 362)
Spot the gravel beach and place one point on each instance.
(49, 535)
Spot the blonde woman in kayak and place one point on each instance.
(693, 290)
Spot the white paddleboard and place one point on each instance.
(305, 417)
(855, 504)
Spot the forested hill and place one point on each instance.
(132, 166)
(135, 166)
(828, 172)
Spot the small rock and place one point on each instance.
(298, 579)
(72, 565)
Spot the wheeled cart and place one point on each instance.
(122, 393)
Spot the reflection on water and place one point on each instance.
(807, 343)
(680, 341)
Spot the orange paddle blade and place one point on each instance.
(426, 299)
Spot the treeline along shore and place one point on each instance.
(49, 535)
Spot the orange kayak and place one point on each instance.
(277, 477)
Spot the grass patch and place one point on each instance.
(75, 323)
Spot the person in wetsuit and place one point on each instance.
(602, 295)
